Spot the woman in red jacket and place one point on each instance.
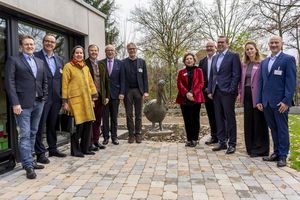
(190, 82)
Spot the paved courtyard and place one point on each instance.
(154, 171)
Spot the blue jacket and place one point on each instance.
(278, 85)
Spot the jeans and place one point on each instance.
(28, 122)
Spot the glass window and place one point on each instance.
(3, 104)
(38, 33)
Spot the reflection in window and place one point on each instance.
(38, 34)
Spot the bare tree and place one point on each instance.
(169, 29)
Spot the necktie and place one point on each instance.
(109, 66)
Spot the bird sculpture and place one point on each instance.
(155, 110)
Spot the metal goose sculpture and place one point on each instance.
(155, 110)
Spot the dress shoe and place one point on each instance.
(89, 153)
(193, 143)
(220, 147)
(57, 154)
(188, 143)
(93, 148)
(30, 173)
(281, 162)
(115, 141)
(211, 141)
(105, 142)
(230, 150)
(100, 146)
(41, 158)
(271, 158)
(36, 166)
(131, 139)
(138, 138)
(79, 154)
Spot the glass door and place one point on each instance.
(4, 143)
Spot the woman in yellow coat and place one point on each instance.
(79, 94)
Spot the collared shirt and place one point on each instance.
(220, 58)
(96, 74)
(272, 60)
(209, 61)
(110, 63)
(50, 61)
(31, 62)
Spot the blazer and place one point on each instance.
(254, 82)
(228, 76)
(116, 79)
(197, 85)
(54, 82)
(21, 86)
(279, 85)
(203, 65)
(104, 81)
(142, 76)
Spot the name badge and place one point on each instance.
(60, 70)
(278, 72)
(255, 67)
(140, 70)
(185, 74)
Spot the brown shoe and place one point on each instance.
(138, 138)
(131, 139)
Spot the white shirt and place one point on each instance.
(272, 60)
(220, 58)
(209, 61)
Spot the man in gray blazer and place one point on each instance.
(26, 86)
(116, 75)
(136, 90)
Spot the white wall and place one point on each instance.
(73, 15)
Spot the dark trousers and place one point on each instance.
(278, 123)
(225, 117)
(134, 99)
(210, 110)
(255, 127)
(98, 110)
(191, 118)
(111, 111)
(83, 133)
(49, 117)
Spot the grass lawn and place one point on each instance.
(294, 128)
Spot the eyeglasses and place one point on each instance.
(129, 49)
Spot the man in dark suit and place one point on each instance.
(223, 89)
(205, 65)
(26, 86)
(275, 93)
(100, 77)
(53, 65)
(136, 90)
(116, 74)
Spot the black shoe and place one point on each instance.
(271, 158)
(89, 153)
(93, 148)
(79, 154)
(30, 173)
(115, 141)
(211, 141)
(57, 154)
(105, 142)
(193, 143)
(220, 147)
(230, 150)
(100, 146)
(188, 143)
(36, 166)
(281, 162)
(41, 158)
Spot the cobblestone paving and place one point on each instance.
(154, 171)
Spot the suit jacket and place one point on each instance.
(228, 76)
(197, 85)
(142, 76)
(104, 81)
(21, 86)
(116, 79)
(278, 85)
(203, 65)
(54, 82)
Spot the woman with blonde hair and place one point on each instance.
(255, 126)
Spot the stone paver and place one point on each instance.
(154, 171)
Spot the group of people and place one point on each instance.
(39, 85)
(264, 87)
